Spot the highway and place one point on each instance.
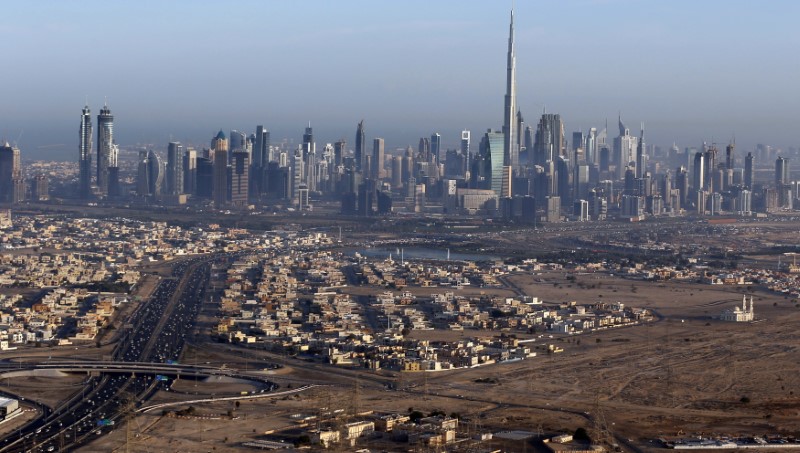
(155, 335)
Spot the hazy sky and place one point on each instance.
(690, 69)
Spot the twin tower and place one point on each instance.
(106, 176)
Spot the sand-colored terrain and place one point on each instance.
(684, 372)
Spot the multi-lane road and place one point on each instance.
(155, 333)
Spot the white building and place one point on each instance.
(8, 407)
(739, 314)
(358, 429)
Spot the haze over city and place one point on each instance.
(691, 71)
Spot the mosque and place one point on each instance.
(739, 314)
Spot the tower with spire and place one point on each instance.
(361, 146)
(625, 147)
(510, 148)
(641, 156)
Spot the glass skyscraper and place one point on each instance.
(85, 154)
(105, 147)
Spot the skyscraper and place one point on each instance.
(549, 140)
(298, 170)
(12, 186)
(641, 157)
(220, 186)
(237, 141)
(339, 149)
(361, 146)
(730, 156)
(436, 148)
(204, 182)
(105, 145)
(85, 154)
(240, 171)
(309, 176)
(748, 171)
(424, 149)
(377, 158)
(698, 172)
(259, 161)
(261, 152)
(190, 171)
(155, 173)
(397, 172)
(174, 169)
(591, 146)
(114, 189)
(520, 131)
(710, 166)
(465, 143)
(625, 146)
(492, 154)
(781, 171)
(510, 150)
(142, 177)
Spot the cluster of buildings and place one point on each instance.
(55, 315)
(299, 302)
(114, 242)
(13, 185)
(526, 172)
(522, 173)
(64, 278)
(50, 270)
(393, 273)
(434, 431)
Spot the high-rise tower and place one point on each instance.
(781, 171)
(749, 171)
(12, 184)
(436, 148)
(219, 144)
(105, 147)
(465, 139)
(377, 158)
(85, 154)
(490, 153)
(730, 156)
(641, 157)
(361, 146)
(510, 150)
(549, 141)
(174, 169)
(625, 146)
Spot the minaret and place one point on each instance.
(510, 150)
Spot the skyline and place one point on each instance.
(441, 71)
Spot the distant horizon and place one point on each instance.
(184, 70)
